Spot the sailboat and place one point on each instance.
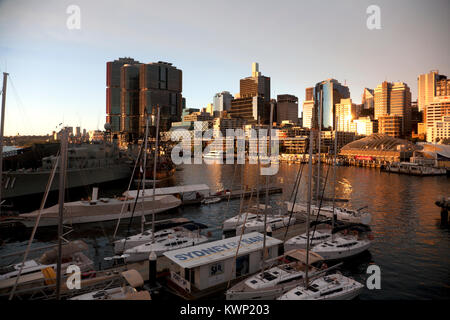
(238, 220)
(342, 214)
(288, 272)
(132, 280)
(260, 223)
(122, 245)
(328, 287)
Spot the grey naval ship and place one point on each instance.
(87, 164)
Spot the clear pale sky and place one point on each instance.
(59, 75)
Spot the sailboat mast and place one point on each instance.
(308, 206)
(154, 170)
(62, 183)
(334, 175)
(267, 186)
(144, 172)
(5, 78)
(319, 140)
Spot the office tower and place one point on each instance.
(368, 98)
(345, 113)
(427, 87)
(330, 92)
(183, 103)
(308, 114)
(160, 84)
(222, 101)
(253, 101)
(393, 99)
(391, 125)
(209, 108)
(113, 91)
(256, 85)
(287, 108)
(78, 131)
(129, 101)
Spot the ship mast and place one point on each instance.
(5, 77)
(144, 173)
(154, 169)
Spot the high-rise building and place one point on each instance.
(222, 101)
(256, 85)
(134, 89)
(368, 99)
(366, 126)
(427, 87)
(329, 93)
(160, 84)
(287, 108)
(345, 113)
(113, 91)
(435, 110)
(253, 101)
(394, 99)
(308, 115)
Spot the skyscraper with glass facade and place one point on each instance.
(329, 93)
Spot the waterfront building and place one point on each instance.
(287, 108)
(224, 123)
(378, 148)
(222, 101)
(393, 100)
(430, 85)
(215, 263)
(331, 92)
(435, 110)
(198, 116)
(440, 130)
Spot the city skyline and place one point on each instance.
(58, 74)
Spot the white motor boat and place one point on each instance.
(103, 209)
(342, 214)
(330, 287)
(273, 282)
(341, 247)
(127, 291)
(274, 221)
(214, 154)
(178, 240)
(300, 241)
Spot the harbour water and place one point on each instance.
(410, 246)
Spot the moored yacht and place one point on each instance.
(276, 280)
(300, 241)
(103, 209)
(341, 247)
(178, 240)
(330, 287)
(274, 221)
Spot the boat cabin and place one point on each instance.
(213, 263)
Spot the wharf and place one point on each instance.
(236, 194)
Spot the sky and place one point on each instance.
(58, 75)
